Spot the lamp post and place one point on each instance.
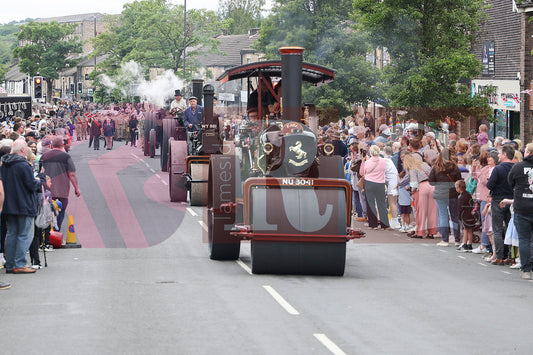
(184, 33)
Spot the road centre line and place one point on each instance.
(203, 225)
(290, 309)
(506, 272)
(329, 344)
(244, 266)
(442, 251)
(191, 211)
(483, 264)
(461, 257)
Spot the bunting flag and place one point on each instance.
(528, 91)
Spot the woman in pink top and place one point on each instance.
(481, 170)
(373, 169)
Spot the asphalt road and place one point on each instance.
(157, 292)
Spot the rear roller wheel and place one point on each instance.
(149, 123)
(152, 143)
(222, 246)
(220, 215)
(177, 183)
(169, 127)
(198, 192)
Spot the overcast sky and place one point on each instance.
(16, 10)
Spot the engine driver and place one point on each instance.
(178, 105)
(193, 115)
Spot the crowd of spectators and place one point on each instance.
(35, 170)
(465, 187)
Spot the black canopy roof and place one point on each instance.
(311, 73)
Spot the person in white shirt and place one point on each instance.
(391, 179)
(178, 105)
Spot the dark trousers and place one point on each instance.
(61, 214)
(500, 221)
(376, 204)
(3, 232)
(524, 227)
(39, 235)
(133, 136)
(356, 201)
(96, 143)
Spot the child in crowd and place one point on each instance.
(39, 232)
(467, 215)
(404, 200)
(483, 137)
(511, 235)
(487, 227)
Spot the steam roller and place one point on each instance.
(275, 187)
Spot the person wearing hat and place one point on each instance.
(384, 134)
(193, 115)
(192, 120)
(178, 105)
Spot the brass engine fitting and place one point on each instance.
(328, 149)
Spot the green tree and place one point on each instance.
(241, 14)
(151, 33)
(324, 29)
(430, 44)
(8, 41)
(46, 50)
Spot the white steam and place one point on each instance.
(159, 90)
(131, 82)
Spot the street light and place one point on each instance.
(184, 33)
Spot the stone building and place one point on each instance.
(87, 26)
(525, 11)
(498, 48)
(234, 50)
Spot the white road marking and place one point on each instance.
(329, 344)
(147, 165)
(162, 180)
(203, 225)
(483, 264)
(244, 266)
(290, 309)
(506, 272)
(191, 211)
(461, 257)
(152, 170)
(442, 251)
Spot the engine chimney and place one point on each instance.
(291, 83)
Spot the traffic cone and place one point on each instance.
(71, 235)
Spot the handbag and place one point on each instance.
(45, 216)
(471, 185)
(361, 183)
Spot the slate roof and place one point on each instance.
(14, 74)
(73, 18)
(231, 47)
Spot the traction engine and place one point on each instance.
(273, 187)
